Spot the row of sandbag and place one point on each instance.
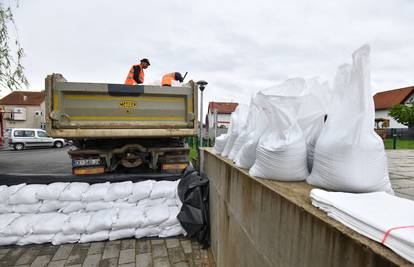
(84, 192)
(115, 223)
(303, 130)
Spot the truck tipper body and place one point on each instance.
(118, 126)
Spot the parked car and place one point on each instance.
(20, 138)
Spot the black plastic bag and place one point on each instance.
(194, 215)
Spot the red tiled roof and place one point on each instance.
(388, 99)
(222, 107)
(24, 98)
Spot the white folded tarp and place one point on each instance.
(379, 216)
(349, 156)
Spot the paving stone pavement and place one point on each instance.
(174, 252)
(401, 170)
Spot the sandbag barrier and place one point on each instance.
(70, 212)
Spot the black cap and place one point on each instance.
(145, 60)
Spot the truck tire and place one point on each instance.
(18, 146)
(58, 144)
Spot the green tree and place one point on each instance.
(11, 53)
(403, 114)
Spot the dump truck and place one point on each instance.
(122, 127)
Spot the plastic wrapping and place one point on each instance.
(194, 214)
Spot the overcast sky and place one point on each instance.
(239, 47)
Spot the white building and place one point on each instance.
(384, 101)
(24, 109)
(222, 119)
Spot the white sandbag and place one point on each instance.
(241, 131)
(164, 189)
(7, 192)
(76, 223)
(26, 194)
(237, 120)
(147, 231)
(6, 219)
(220, 143)
(22, 225)
(9, 240)
(258, 123)
(172, 231)
(50, 223)
(350, 157)
(119, 191)
(73, 206)
(147, 202)
(157, 214)
(96, 192)
(61, 238)
(122, 233)
(35, 239)
(2, 187)
(6, 208)
(52, 205)
(27, 208)
(52, 191)
(74, 191)
(101, 220)
(172, 220)
(312, 112)
(141, 190)
(98, 205)
(129, 218)
(122, 204)
(281, 151)
(98, 236)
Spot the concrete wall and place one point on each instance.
(257, 222)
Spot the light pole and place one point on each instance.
(201, 85)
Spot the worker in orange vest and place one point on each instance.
(136, 73)
(169, 77)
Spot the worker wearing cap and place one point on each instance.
(169, 77)
(136, 73)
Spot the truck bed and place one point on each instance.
(99, 110)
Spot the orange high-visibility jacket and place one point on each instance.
(167, 79)
(134, 73)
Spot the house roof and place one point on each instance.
(23, 98)
(388, 99)
(222, 107)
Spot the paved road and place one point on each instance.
(36, 161)
(401, 170)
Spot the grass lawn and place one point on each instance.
(401, 144)
(193, 153)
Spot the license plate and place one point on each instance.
(86, 162)
(174, 166)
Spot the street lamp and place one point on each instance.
(201, 85)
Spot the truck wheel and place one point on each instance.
(58, 144)
(18, 146)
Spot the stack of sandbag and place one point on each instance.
(281, 151)
(220, 142)
(379, 216)
(349, 156)
(237, 120)
(79, 212)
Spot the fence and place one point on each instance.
(399, 138)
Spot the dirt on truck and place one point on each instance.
(117, 126)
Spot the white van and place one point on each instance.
(20, 138)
